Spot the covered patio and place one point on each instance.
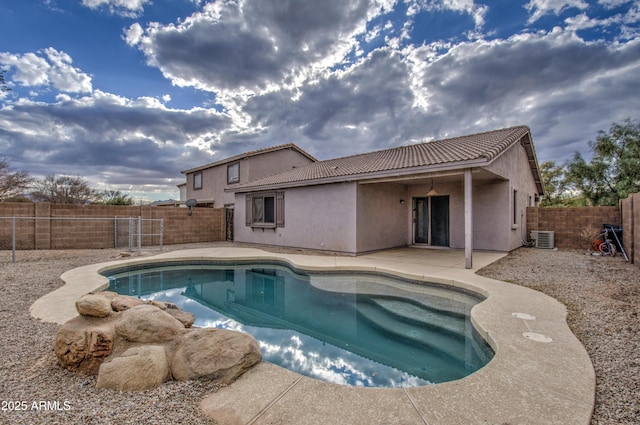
(540, 373)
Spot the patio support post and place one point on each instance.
(468, 219)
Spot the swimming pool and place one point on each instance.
(347, 328)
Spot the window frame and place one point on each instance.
(231, 166)
(514, 206)
(277, 210)
(197, 180)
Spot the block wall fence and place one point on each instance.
(568, 224)
(204, 225)
(209, 224)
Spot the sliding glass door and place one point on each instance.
(431, 220)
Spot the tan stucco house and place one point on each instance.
(206, 183)
(468, 192)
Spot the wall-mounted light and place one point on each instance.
(401, 201)
(432, 191)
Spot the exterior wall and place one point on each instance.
(270, 163)
(568, 223)
(381, 218)
(513, 165)
(491, 216)
(316, 217)
(214, 179)
(35, 231)
(369, 217)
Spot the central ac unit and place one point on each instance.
(544, 239)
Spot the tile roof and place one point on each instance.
(248, 154)
(452, 153)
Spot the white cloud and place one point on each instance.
(130, 8)
(133, 34)
(477, 11)
(255, 45)
(64, 76)
(109, 138)
(49, 67)
(626, 23)
(30, 69)
(551, 81)
(610, 4)
(538, 8)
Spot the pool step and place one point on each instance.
(422, 315)
(430, 337)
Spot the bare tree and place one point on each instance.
(3, 83)
(12, 183)
(114, 197)
(63, 190)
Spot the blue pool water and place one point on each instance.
(346, 328)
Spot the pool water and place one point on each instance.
(352, 329)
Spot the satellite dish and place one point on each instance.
(191, 203)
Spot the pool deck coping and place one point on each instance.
(540, 374)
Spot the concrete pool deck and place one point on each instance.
(540, 374)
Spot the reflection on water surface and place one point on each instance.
(352, 329)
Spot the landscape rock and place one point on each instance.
(137, 369)
(82, 344)
(184, 317)
(148, 324)
(135, 345)
(214, 354)
(94, 305)
(122, 303)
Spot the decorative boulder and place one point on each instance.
(94, 305)
(148, 324)
(184, 317)
(82, 344)
(137, 369)
(136, 345)
(122, 303)
(215, 354)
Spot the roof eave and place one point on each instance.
(527, 143)
(248, 155)
(410, 171)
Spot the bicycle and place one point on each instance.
(605, 245)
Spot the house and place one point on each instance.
(206, 183)
(182, 187)
(468, 192)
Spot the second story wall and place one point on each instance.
(207, 184)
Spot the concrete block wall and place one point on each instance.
(75, 231)
(568, 223)
(631, 226)
(25, 229)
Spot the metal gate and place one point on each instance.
(229, 221)
(33, 233)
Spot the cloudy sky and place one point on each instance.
(127, 93)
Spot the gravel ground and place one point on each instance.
(602, 295)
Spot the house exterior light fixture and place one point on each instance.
(432, 191)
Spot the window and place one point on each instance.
(265, 210)
(197, 180)
(233, 173)
(515, 207)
